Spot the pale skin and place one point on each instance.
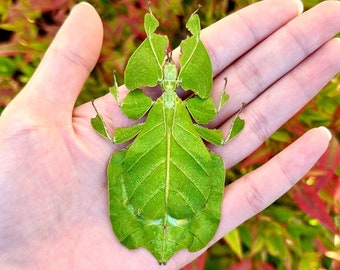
(53, 186)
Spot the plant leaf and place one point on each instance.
(234, 241)
(309, 201)
(242, 265)
(197, 264)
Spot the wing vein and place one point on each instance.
(189, 178)
(188, 151)
(145, 177)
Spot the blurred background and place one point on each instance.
(301, 229)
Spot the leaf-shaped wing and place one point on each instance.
(167, 166)
(163, 237)
(144, 67)
(165, 214)
(196, 68)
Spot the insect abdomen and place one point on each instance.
(169, 166)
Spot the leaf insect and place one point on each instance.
(165, 189)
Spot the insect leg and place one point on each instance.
(215, 136)
(99, 125)
(124, 134)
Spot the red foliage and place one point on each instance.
(335, 124)
(327, 165)
(327, 180)
(49, 5)
(335, 265)
(197, 264)
(308, 200)
(261, 156)
(242, 265)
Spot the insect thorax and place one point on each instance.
(170, 82)
(169, 99)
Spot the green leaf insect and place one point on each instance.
(165, 189)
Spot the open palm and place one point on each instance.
(53, 187)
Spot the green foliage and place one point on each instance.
(25, 33)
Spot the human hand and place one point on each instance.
(53, 193)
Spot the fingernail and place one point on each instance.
(327, 132)
(300, 6)
(85, 3)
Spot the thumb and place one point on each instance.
(53, 89)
